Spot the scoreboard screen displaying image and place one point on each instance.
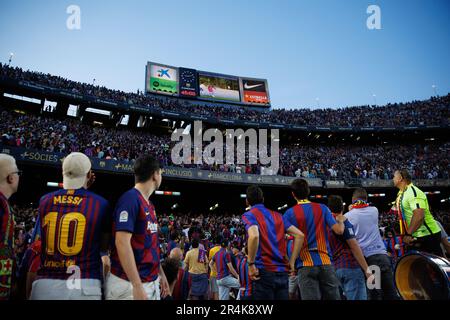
(218, 87)
(188, 82)
(162, 79)
(254, 91)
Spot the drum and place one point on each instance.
(423, 276)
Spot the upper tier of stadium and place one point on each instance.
(432, 112)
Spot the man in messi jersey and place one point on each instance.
(74, 225)
(227, 277)
(421, 232)
(246, 289)
(268, 265)
(9, 183)
(348, 258)
(136, 272)
(317, 277)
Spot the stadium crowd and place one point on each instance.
(395, 114)
(343, 161)
(178, 234)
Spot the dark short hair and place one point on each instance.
(174, 235)
(404, 173)
(236, 245)
(300, 188)
(360, 193)
(145, 167)
(254, 195)
(170, 267)
(195, 243)
(336, 204)
(224, 243)
(218, 239)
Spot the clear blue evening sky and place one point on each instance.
(306, 49)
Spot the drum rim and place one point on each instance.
(425, 255)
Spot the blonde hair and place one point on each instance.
(7, 165)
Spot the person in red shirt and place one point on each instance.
(9, 183)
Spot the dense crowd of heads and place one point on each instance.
(210, 227)
(395, 114)
(342, 161)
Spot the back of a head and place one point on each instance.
(360, 194)
(176, 253)
(218, 240)
(224, 243)
(300, 189)
(404, 173)
(254, 195)
(195, 243)
(144, 168)
(75, 168)
(174, 236)
(336, 204)
(170, 267)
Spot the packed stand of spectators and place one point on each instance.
(341, 161)
(396, 114)
(181, 231)
(208, 227)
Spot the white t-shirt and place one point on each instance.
(365, 225)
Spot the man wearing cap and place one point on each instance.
(75, 226)
(136, 272)
(9, 183)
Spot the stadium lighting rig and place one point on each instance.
(318, 196)
(376, 195)
(214, 207)
(167, 193)
(432, 192)
(11, 55)
(55, 184)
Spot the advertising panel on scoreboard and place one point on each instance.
(255, 91)
(218, 87)
(161, 78)
(188, 82)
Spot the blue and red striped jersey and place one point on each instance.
(340, 251)
(72, 223)
(222, 258)
(172, 244)
(289, 247)
(271, 254)
(134, 214)
(6, 223)
(390, 244)
(244, 278)
(6, 248)
(312, 219)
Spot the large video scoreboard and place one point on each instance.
(202, 85)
